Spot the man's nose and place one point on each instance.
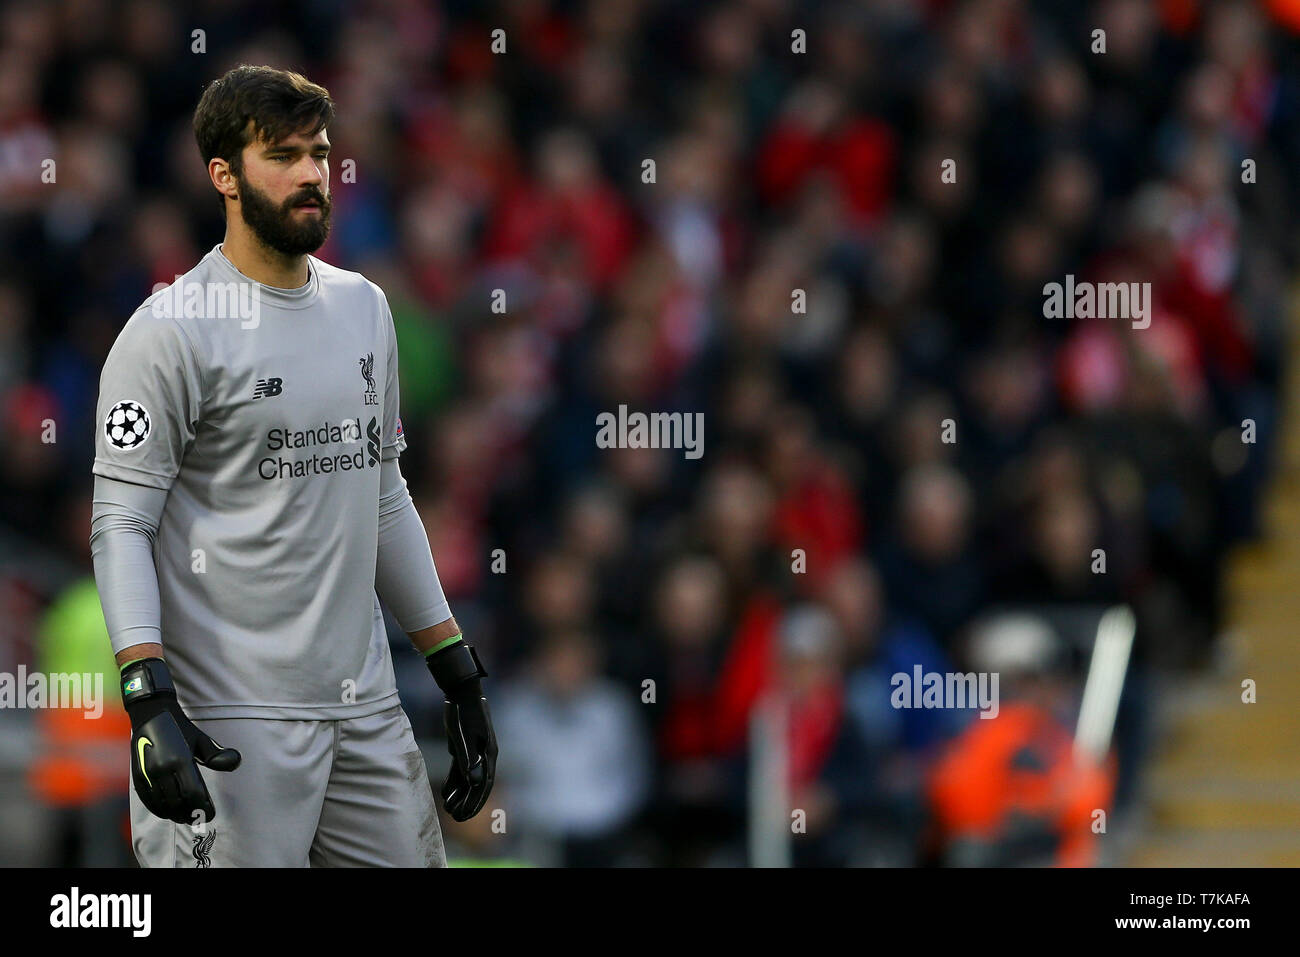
(312, 174)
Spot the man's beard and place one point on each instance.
(275, 225)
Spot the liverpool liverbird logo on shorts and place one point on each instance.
(202, 845)
(368, 372)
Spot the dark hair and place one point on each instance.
(257, 102)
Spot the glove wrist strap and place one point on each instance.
(145, 678)
(454, 665)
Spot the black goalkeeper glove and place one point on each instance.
(470, 738)
(165, 745)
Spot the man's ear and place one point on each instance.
(223, 178)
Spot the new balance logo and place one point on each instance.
(266, 388)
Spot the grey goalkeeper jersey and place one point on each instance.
(266, 414)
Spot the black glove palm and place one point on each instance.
(473, 747)
(470, 738)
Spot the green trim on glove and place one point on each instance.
(447, 643)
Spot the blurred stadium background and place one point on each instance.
(823, 431)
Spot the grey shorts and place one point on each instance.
(346, 793)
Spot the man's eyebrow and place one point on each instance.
(282, 148)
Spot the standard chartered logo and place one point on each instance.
(372, 446)
(294, 460)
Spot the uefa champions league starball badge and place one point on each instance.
(127, 426)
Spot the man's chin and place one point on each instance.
(297, 243)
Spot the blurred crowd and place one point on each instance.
(918, 468)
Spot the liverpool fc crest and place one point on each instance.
(368, 373)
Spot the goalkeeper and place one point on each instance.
(249, 515)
